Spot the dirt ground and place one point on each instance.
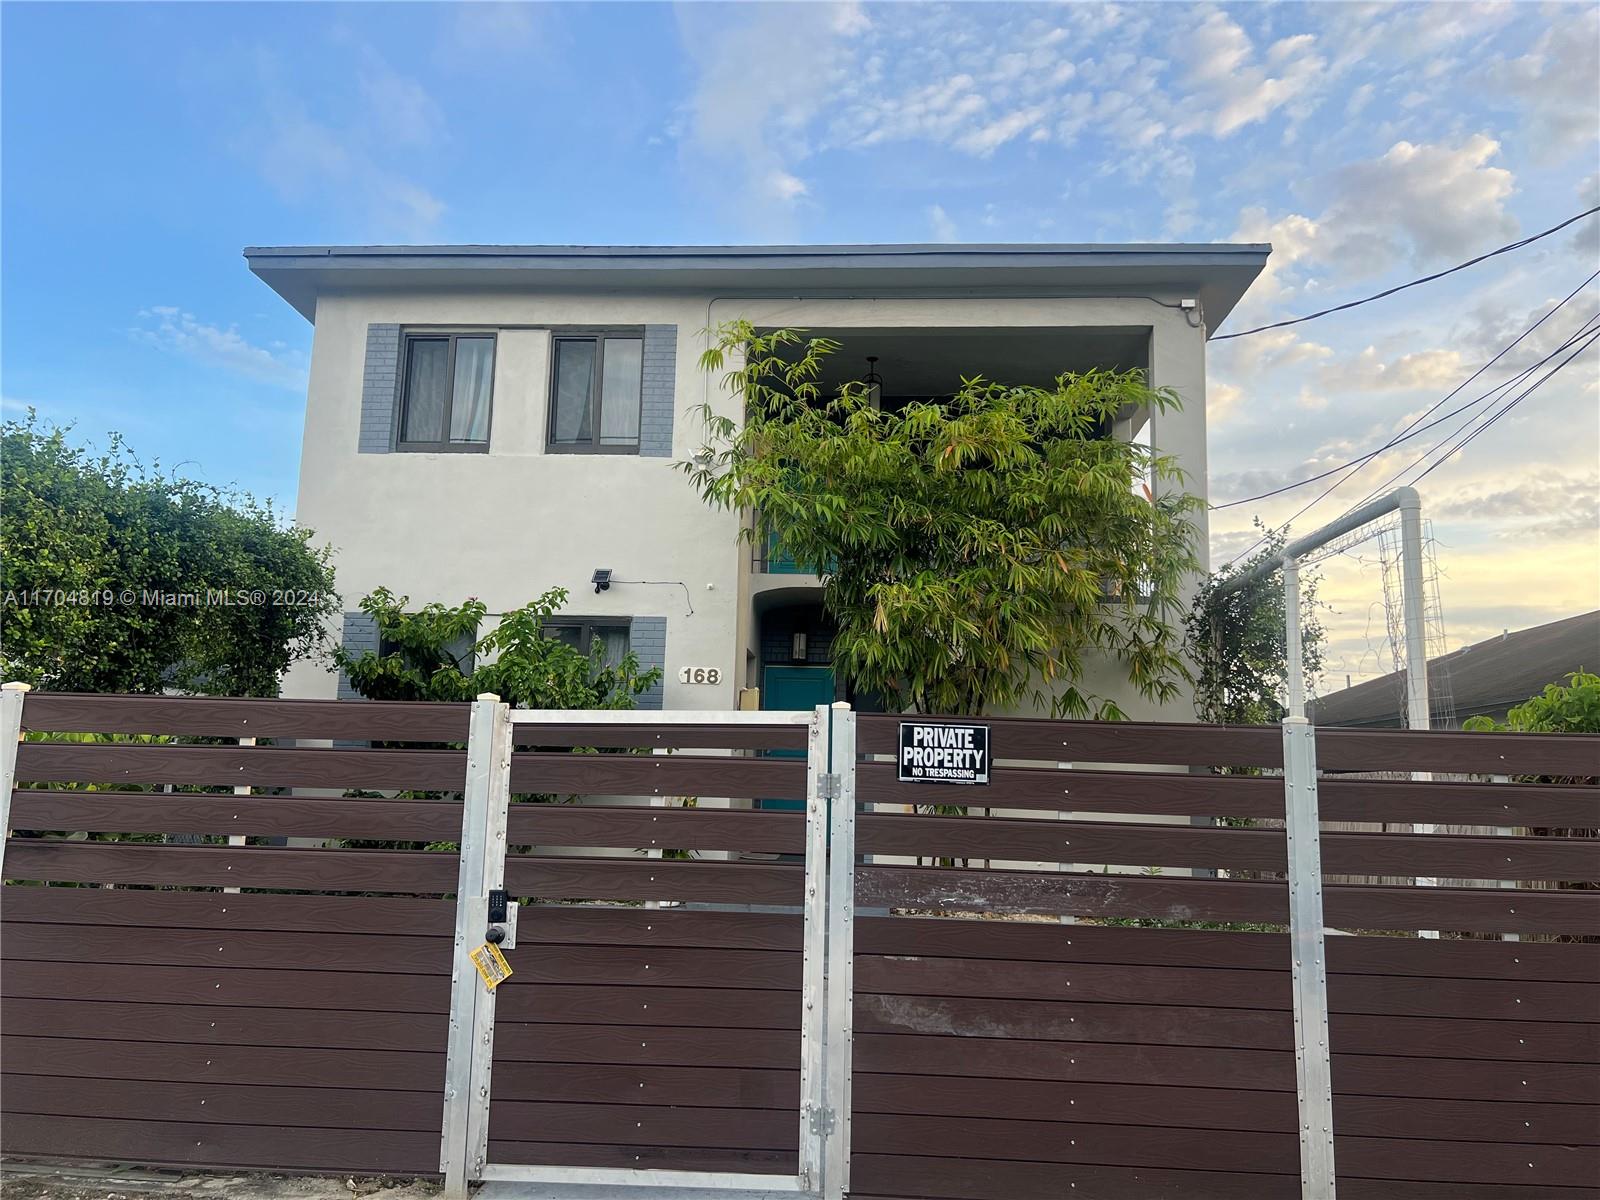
(20, 1181)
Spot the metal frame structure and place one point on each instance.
(1307, 937)
(11, 699)
(1308, 963)
(841, 775)
(826, 958)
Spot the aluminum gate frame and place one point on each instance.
(827, 958)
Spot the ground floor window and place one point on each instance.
(581, 633)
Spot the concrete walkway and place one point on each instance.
(39, 1181)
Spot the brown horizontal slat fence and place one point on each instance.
(204, 716)
(149, 1015)
(1147, 1048)
(1144, 1050)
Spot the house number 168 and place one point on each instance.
(699, 675)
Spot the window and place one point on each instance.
(445, 393)
(457, 653)
(581, 634)
(595, 385)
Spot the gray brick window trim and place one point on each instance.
(360, 634)
(656, 399)
(647, 638)
(380, 381)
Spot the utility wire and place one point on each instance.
(1586, 336)
(1462, 444)
(1411, 430)
(1359, 463)
(1471, 262)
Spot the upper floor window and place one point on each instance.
(595, 388)
(446, 391)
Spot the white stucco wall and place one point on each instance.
(508, 524)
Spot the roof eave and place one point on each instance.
(1218, 272)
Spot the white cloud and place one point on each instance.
(309, 162)
(849, 19)
(1274, 350)
(171, 329)
(1229, 87)
(1543, 503)
(989, 138)
(1422, 370)
(1426, 203)
(944, 229)
(1553, 86)
(781, 185)
(399, 109)
(1222, 401)
(342, 160)
(1421, 205)
(749, 112)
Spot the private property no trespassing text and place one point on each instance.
(944, 753)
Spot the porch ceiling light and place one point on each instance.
(874, 383)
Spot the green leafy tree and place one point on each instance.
(435, 653)
(118, 578)
(1569, 707)
(978, 549)
(1236, 641)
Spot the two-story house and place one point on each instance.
(492, 421)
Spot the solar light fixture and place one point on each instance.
(601, 579)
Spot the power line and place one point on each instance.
(1359, 463)
(1410, 430)
(1586, 336)
(1471, 262)
(1467, 441)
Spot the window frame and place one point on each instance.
(407, 337)
(597, 398)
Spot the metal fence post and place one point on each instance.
(11, 695)
(488, 767)
(841, 947)
(1308, 961)
(814, 1004)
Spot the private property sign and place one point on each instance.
(938, 752)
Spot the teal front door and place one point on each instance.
(786, 689)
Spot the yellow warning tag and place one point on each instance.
(491, 964)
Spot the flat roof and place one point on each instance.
(1215, 273)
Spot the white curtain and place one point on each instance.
(619, 393)
(474, 383)
(427, 385)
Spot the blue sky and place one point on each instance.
(144, 145)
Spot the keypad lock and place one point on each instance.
(502, 929)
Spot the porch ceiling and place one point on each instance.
(931, 362)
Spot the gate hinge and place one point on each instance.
(822, 1121)
(828, 787)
